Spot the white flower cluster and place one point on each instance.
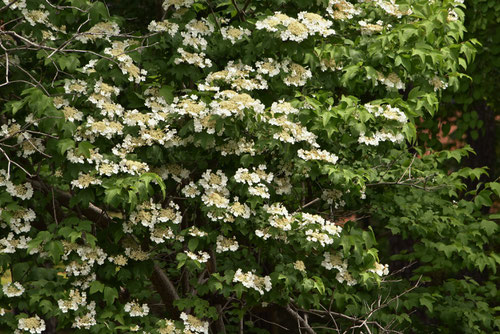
(318, 229)
(9, 244)
(13, 289)
(76, 299)
(292, 132)
(297, 30)
(102, 30)
(84, 181)
(178, 4)
(75, 86)
(226, 244)
(252, 281)
(87, 320)
(134, 309)
(126, 64)
(391, 8)
(317, 155)
(20, 220)
(342, 10)
(387, 111)
(239, 76)
(164, 26)
(154, 216)
(201, 257)
(194, 33)
(297, 74)
(380, 136)
(370, 28)
(193, 324)
(197, 59)
(391, 81)
(334, 261)
(105, 128)
(333, 196)
(438, 83)
(234, 34)
(21, 191)
(33, 325)
(380, 269)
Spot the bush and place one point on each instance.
(225, 166)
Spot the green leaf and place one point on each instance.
(318, 284)
(110, 294)
(192, 244)
(65, 144)
(96, 286)
(167, 93)
(489, 226)
(55, 249)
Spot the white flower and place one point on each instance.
(193, 324)
(318, 155)
(22, 191)
(201, 257)
(33, 325)
(14, 289)
(136, 310)
(226, 244)
(252, 281)
(380, 269)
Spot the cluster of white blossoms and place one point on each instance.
(391, 8)
(21, 191)
(226, 245)
(297, 30)
(315, 154)
(85, 180)
(201, 257)
(13, 289)
(387, 111)
(297, 74)
(370, 28)
(32, 325)
(87, 320)
(9, 244)
(380, 269)
(134, 309)
(237, 75)
(342, 10)
(26, 143)
(392, 81)
(193, 324)
(102, 30)
(164, 26)
(380, 136)
(252, 281)
(194, 33)
(300, 266)
(178, 4)
(197, 59)
(125, 62)
(317, 229)
(20, 220)
(333, 197)
(155, 218)
(76, 299)
(438, 83)
(334, 261)
(234, 34)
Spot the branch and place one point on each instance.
(301, 320)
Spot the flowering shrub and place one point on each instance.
(225, 167)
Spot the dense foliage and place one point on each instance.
(218, 166)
